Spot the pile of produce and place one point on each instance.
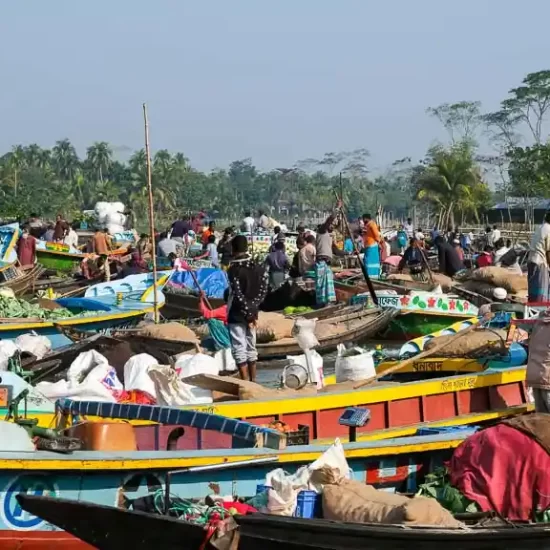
(291, 310)
(13, 308)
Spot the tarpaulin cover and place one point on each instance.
(503, 469)
(211, 280)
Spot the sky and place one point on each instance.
(277, 81)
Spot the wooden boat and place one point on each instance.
(271, 532)
(19, 279)
(419, 314)
(182, 306)
(359, 325)
(102, 314)
(63, 285)
(115, 479)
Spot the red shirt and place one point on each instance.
(484, 259)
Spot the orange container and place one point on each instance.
(104, 436)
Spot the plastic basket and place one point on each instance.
(299, 436)
(308, 505)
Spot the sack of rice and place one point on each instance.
(500, 276)
(480, 287)
(476, 343)
(169, 331)
(272, 326)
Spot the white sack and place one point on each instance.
(83, 364)
(87, 391)
(225, 361)
(190, 365)
(115, 218)
(170, 390)
(304, 332)
(136, 375)
(355, 364)
(113, 228)
(39, 346)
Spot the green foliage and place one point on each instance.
(529, 170)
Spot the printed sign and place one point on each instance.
(13, 515)
(5, 396)
(428, 366)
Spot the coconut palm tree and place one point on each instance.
(65, 160)
(99, 157)
(449, 180)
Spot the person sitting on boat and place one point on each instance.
(307, 256)
(263, 221)
(449, 261)
(48, 234)
(135, 265)
(458, 248)
(295, 265)
(101, 243)
(177, 263)
(207, 233)
(211, 252)
(26, 247)
(277, 236)
(412, 259)
(224, 247)
(248, 287)
(71, 238)
(248, 223)
(144, 246)
(500, 250)
(277, 265)
(485, 258)
(167, 246)
(373, 241)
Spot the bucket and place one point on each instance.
(308, 505)
(295, 376)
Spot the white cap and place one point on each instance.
(500, 293)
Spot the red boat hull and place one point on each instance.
(41, 540)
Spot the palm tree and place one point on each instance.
(100, 157)
(449, 180)
(32, 154)
(65, 160)
(16, 162)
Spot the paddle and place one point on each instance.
(423, 355)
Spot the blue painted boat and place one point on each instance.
(101, 314)
(133, 283)
(116, 478)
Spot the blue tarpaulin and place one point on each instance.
(211, 280)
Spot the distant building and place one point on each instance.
(519, 210)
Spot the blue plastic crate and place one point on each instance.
(308, 505)
(445, 430)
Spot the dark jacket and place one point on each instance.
(248, 285)
(449, 262)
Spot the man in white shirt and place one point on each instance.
(71, 238)
(496, 234)
(248, 223)
(538, 280)
(408, 227)
(263, 221)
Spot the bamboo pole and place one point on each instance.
(151, 215)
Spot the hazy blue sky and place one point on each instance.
(275, 80)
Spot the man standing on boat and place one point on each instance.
(538, 281)
(248, 285)
(101, 243)
(61, 229)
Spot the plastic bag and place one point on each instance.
(304, 332)
(316, 374)
(334, 458)
(136, 375)
(89, 391)
(354, 364)
(226, 362)
(83, 364)
(189, 365)
(33, 343)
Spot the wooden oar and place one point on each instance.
(423, 355)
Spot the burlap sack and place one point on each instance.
(500, 276)
(480, 287)
(169, 331)
(476, 343)
(273, 326)
(439, 279)
(427, 511)
(359, 503)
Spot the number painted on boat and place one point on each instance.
(428, 366)
(13, 515)
(457, 385)
(208, 410)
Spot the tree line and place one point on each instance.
(451, 183)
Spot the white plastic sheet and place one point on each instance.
(7, 350)
(33, 343)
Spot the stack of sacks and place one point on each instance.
(110, 215)
(485, 279)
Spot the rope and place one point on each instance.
(188, 510)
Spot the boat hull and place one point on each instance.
(59, 261)
(408, 326)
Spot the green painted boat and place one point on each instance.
(64, 262)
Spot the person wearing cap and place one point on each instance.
(499, 295)
(449, 261)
